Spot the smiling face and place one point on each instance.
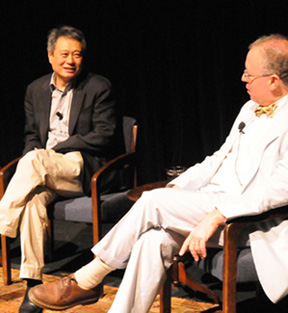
(66, 60)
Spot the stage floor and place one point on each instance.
(72, 250)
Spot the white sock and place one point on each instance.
(92, 274)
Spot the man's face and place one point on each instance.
(257, 84)
(66, 60)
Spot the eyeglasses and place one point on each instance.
(250, 78)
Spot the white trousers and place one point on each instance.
(41, 175)
(145, 241)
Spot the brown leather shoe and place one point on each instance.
(62, 294)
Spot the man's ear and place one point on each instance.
(50, 56)
(274, 81)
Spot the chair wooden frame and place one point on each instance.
(7, 172)
(5, 175)
(229, 285)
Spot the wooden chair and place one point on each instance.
(177, 273)
(91, 208)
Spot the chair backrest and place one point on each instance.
(130, 133)
(121, 175)
(130, 128)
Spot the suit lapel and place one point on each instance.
(76, 106)
(44, 111)
(247, 118)
(278, 125)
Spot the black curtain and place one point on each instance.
(175, 66)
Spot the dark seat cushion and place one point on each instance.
(113, 206)
(246, 271)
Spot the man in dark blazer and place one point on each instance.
(69, 133)
(92, 121)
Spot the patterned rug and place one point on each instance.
(11, 297)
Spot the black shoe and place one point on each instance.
(27, 306)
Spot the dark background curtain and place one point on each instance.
(175, 66)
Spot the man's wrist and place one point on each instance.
(218, 217)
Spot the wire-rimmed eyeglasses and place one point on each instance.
(250, 78)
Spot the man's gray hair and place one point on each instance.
(65, 31)
(275, 47)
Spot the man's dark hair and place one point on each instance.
(65, 31)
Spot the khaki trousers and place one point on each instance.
(41, 176)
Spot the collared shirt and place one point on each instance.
(59, 114)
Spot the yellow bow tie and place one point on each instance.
(268, 110)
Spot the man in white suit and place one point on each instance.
(247, 175)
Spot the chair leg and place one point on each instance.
(180, 276)
(6, 260)
(165, 294)
(230, 268)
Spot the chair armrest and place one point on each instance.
(231, 233)
(5, 175)
(237, 224)
(117, 162)
(272, 213)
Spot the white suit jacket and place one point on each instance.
(265, 189)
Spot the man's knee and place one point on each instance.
(33, 155)
(163, 242)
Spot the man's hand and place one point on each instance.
(196, 241)
(172, 186)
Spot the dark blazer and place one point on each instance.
(92, 124)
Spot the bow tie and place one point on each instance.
(268, 110)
